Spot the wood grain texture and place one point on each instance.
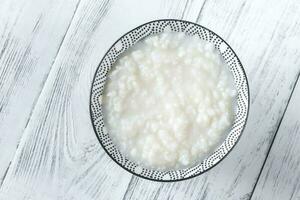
(263, 37)
(31, 32)
(59, 156)
(280, 178)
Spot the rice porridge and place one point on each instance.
(168, 101)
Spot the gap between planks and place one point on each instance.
(274, 137)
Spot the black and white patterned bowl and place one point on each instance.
(128, 40)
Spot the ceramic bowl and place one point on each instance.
(131, 38)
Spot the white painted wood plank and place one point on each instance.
(31, 32)
(264, 34)
(59, 156)
(280, 178)
(193, 8)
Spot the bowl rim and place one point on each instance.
(197, 174)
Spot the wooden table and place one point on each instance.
(49, 51)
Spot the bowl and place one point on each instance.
(129, 39)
